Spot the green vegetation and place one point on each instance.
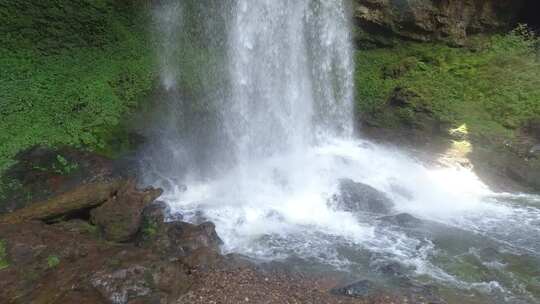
(149, 228)
(489, 88)
(8, 186)
(71, 71)
(63, 166)
(53, 261)
(90, 229)
(3, 255)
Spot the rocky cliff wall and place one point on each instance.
(380, 21)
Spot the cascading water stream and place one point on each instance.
(282, 139)
(291, 76)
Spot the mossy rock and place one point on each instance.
(120, 217)
(4, 262)
(41, 173)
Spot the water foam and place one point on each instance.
(287, 117)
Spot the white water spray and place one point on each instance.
(287, 118)
(291, 76)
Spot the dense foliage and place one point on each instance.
(70, 71)
(491, 86)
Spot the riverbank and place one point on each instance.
(476, 104)
(87, 234)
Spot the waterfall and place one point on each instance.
(254, 116)
(286, 83)
(291, 74)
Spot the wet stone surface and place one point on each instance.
(358, 197)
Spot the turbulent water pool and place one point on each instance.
(280, 141)
(476, 245)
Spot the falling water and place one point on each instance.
(291, 76)
(272, 134)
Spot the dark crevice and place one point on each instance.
(530, 14)
(81, 214)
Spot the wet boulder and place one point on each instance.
(535, 151)
(391, 269)
(415, 292)
(402, 191)
(180, 239)
(45, 262)
(124, 284)
(72, 202)
(155, 212)
(196, 246)
(52, 264)
(532, 128)
(192, 237)
(489, 254)
(403, 220)
(176, 239)
(120, 217)
(141, 278)
(360, 289)
(171, 279)
(359, 197)
(524, 171)
(41, 173)
(79, 227)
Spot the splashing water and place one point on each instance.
(291, 75)
(285, 126)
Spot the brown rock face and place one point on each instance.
(48, 264)
(120, 217)
(84, 197)
(429, 20)
(43, 174)
(176, 239)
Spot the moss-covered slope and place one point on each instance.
(492, 85)
(485, 96)
(70, 70)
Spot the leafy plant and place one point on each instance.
(149, 228)
(53, 261)
(63, 166)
